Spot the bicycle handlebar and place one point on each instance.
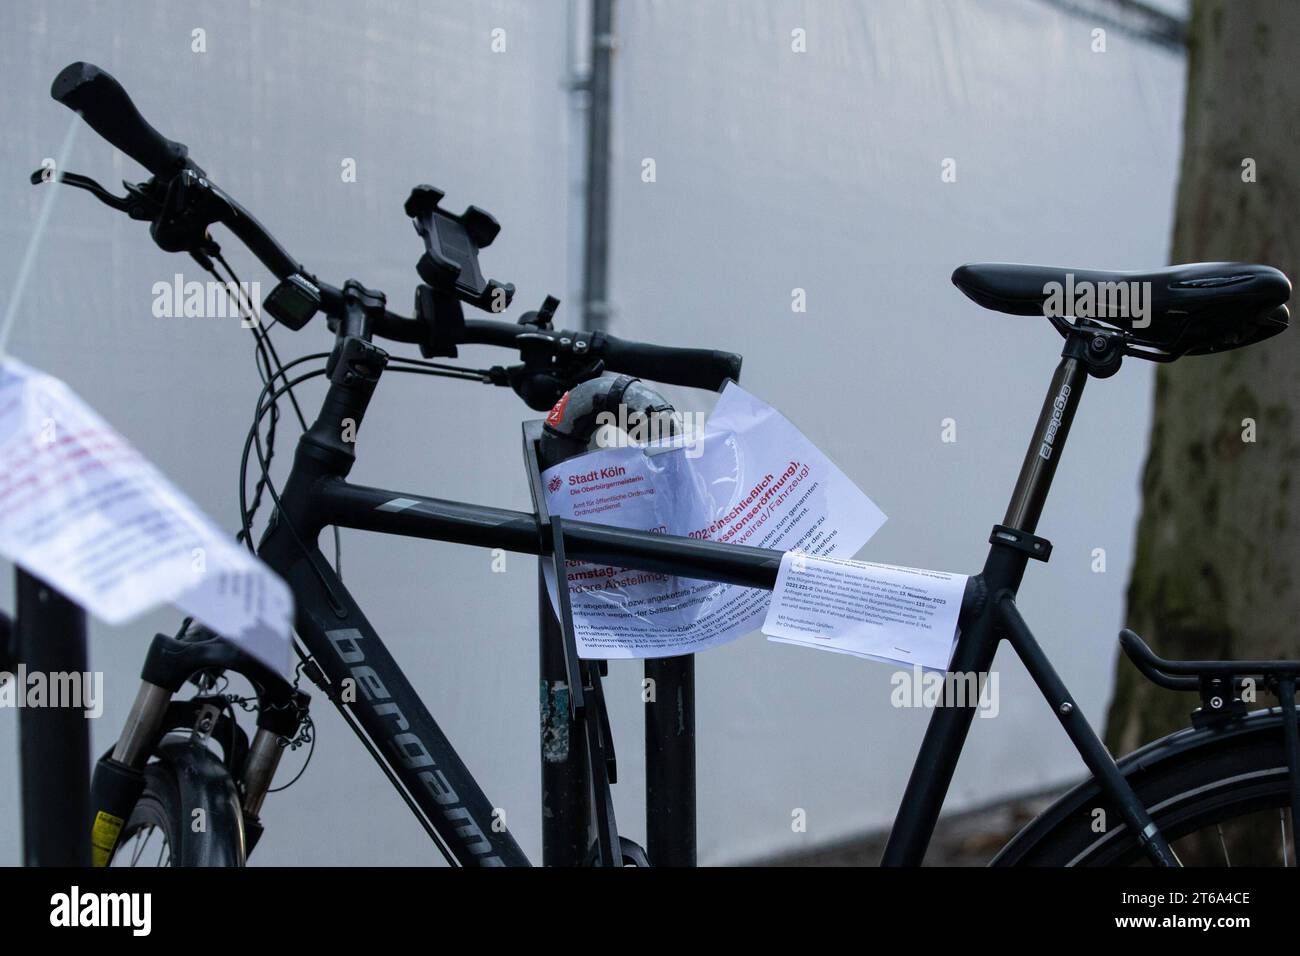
(694, 368)
(106, 107)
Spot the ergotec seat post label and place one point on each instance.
(82, 509)
(750, 478)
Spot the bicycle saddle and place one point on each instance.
(1190, 309)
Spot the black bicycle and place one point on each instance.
(1208, 785)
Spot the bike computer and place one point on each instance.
(292, 302)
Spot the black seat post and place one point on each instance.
(1088, 351)
(1045, 448)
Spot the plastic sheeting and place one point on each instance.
(815, 180)
(773, 172)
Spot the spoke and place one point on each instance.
(136, 844)
(1281, 818)
(1223, 843)
(141, 841)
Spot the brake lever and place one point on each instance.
(542, 385)
(137, 203)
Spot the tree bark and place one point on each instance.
(1217, 568)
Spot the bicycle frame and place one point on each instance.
(995, 618)
(422, 759)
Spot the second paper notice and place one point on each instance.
(750, 478)
(879, 611)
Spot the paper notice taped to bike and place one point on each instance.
(879, 611)
(750, 478)
(83, 510)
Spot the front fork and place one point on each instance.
(119, 780)
(354, 368)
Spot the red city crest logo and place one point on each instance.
(554, 484)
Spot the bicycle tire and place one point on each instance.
(186, 778)
(1189, 782)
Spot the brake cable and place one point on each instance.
(266, 402)
(416, 366)
(273, 368)
(265, 348)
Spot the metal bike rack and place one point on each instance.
(577, 748)
(49, 635)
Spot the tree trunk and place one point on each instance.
(1217, 569)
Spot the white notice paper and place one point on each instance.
(82, 509)
(887, 613)
(752, 478)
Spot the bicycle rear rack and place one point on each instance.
(1220, 685)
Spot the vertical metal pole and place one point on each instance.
(566, 788)
(670, 762)
(595, 305)
(670, 714)
(54, 742)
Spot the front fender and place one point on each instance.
(204, 783)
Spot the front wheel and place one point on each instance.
(188, 814)
(1221, 797)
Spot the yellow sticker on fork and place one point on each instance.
(103, 837)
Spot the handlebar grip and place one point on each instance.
(108, 109)
(694, 368)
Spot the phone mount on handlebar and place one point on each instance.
(450, 269)
(451, 247)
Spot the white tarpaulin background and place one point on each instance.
(774, 171)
